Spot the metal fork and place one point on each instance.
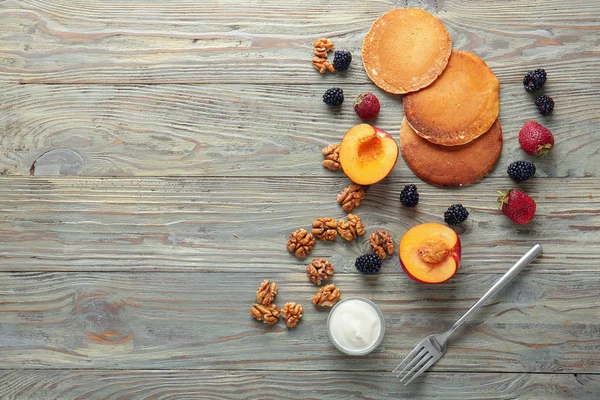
(433, 347)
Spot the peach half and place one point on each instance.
(430, 253)
(367, 154)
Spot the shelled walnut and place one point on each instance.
(322, 46)
(292, 313)
(352, 228)
(268, 314)
(351, 196)
(266, 292)
(332, 156)
(321, 64)
(325, 228)
(319, 270)
(300, 243)
(327, 296)
(382, 244)
(319, 61)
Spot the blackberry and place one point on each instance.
(544, 104)
(455, 214)
(534, 80)
(409, 196)
(521, 170)
(342, 60)
(334, 96)
(368, 264)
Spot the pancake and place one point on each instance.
(405, 50)
(459, 106)
(451, 165)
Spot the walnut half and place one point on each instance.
(300, 243)
(327, 296)
(351, 229)
(268, 314)
(325, 228)
(332, 156)
(266, 292)
(321, 64)
(292, 313)
(319, 270)
(382, 244)
(322, 46)
(350, 197)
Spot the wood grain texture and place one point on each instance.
(186, 41)
(243, 130)
(540, 323)
(140, 287)
(221, 385)
(191, 224)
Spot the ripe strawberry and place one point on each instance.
(366, 106)
(536, 139)
(517, 206)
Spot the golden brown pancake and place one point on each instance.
(451, 165)
(405, 50)
(459, 106)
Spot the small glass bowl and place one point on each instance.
(368, 349)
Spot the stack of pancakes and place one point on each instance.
(450, 135)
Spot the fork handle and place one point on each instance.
(506, 278)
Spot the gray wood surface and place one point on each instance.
(242, 41)
(188, 224)
(248, 130)
(276, 385)
(542, 323)
(155, 155)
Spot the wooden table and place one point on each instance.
(155, 155)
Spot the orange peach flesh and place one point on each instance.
(367, 154)
(413, 263)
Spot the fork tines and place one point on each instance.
(417, 362)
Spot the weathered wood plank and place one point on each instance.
(242, 130)
(540, 323)
(545, 322)
(244, 41)
(179, 224)
(222, 385)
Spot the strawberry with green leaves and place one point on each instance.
(517, 206)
